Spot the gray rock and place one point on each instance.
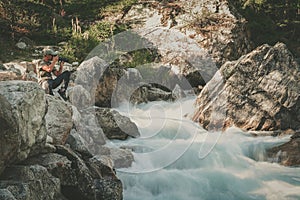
(6, 195)
(260, 91)
(135, 90)
(108, 189)
(83, 178)
(161, 75)
(150, 92)
(31, 66)
(22, 122)
(195, 37)
(110, 86)
(286, 154)
(30, 182)
(30, 76)
(178, 93)
(134, 75)
(21, 45)
(121, 158)
(24, 118)
(90, 130)
(80, 179)
(88, 75)
(114, 125)
(80, 97)
(77, 136)
(18, 71)
(102, 165)
(58, 119)
(11, 71)
(212, 24)
(87, 135)
(58, 165)
(78, 144)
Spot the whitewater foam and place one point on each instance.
(181, 161)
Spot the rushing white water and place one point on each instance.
(177, 160)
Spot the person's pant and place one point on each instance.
(54, 83)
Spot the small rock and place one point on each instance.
(114, 125)
(21, 45)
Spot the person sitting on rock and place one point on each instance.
(47, 68)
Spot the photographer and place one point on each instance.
(47, 68)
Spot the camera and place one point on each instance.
(61, 59)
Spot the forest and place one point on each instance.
(50, 22)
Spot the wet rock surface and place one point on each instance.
(260, 91)
(287, 154)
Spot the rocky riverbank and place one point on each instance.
(258, 93)
(42, 149)
(58, 147)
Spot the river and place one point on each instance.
(175, 159)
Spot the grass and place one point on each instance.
(44, 24)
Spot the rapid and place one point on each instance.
(175, 159)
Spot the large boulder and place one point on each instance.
(29, 182)
(78, 144)
(118, 85)
(150, 92)
(95, 77)
(107, 85)
(214, 25)
(113, 157)
(80, 97)
(103, 85)
(89, 129)
(58, 119)
(121, 158)
(115, 125)
(22, 122)
(87, 77)
(6, 194)
(260, 91)
(88, 179)
(86, 135)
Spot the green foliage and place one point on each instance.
(254, 3)
(117, 6)
(48, 22)
(270, 21)
(100, 31)
(94, 9)
(141, 57)
(80, 44)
